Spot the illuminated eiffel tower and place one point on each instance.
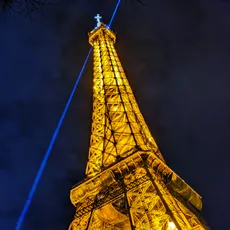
(128, 185)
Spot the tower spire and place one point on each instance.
(98, 19)
(118, 128)
(128, 184)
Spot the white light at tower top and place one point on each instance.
(98, 19)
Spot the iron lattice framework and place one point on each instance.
(128, 184)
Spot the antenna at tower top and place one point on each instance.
(98, 18)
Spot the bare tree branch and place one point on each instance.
(29, 6)
(23, 6)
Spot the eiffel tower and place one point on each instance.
(128, 184)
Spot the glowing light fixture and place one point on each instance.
(171, 226)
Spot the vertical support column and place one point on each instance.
(126, 199)
(165, 202)
(90, 219)
(80, 223)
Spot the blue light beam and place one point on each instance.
(114, 13)
(45, 159)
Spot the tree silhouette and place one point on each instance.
(22, 6)
(28, 6)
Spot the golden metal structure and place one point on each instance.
(128, 185)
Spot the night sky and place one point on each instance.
(176, 55)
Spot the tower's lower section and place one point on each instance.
(139, 192)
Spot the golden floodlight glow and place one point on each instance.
(128, 184)
(171, 226)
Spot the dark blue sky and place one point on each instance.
(176, 55)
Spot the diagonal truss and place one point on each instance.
(128, 185)
(118, 127)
